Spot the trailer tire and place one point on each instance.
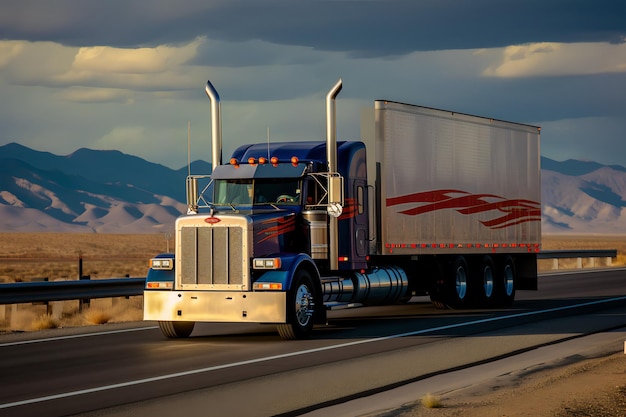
(485, 283)
(506, 283)
(457, 294)
(176, 329)
(300, 308)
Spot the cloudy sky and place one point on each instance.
(130, 74)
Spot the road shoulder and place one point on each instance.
(582, 372)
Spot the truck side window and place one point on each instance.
(314, 193)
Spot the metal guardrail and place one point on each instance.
(41, 292)
(563, 254)
(593, 254)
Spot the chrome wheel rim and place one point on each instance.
(461, 282)
(304, 304)
(488, 283)
(509, 282)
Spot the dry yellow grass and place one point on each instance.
(97, 316)
(29, 317)
(24, 256)
(432, 401)
(44, 321)
(27, 256)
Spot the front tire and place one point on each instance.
(176, 329)
(300, 308)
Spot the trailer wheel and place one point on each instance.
(486, 283)
(176, 329)
(300, 308)
(457, 284)
(506, 284)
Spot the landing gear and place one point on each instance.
(300, 308)
(176, 329)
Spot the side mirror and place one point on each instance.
(335, 196)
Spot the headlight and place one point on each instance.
(266, 263)
(162, 263)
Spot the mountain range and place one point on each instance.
(89, 191)
(112, 192)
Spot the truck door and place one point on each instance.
(361, 243)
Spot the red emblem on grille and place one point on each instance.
(212, 220)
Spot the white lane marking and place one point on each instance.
(299, 353)
(75, 336)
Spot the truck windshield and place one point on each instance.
(257, 191)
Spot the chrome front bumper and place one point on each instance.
(215, 306)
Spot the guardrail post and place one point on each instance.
(80, 265)
(555, 263)
(84, 301)
(609, 261)
(7, 313)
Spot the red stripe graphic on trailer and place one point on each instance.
(509, 211)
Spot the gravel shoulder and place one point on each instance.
(583, 376)
(590, 387)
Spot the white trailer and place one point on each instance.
(457, 186)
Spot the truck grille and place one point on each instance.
(212, 256)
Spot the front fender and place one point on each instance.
(161, 275)
(289, 265)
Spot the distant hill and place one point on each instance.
(112, 192)
(88, 191)
(582, 197)
(573, 167)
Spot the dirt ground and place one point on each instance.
(590, 388)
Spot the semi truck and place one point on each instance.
(427, 202)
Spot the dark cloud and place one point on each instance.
(361, 28)
(249, 57)
(524, 100)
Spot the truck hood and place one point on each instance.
(273, 231)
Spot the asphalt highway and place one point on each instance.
(247, 370)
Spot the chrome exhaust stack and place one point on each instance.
(216, 124)
(216, 148)
(331, 155)
(331, 126)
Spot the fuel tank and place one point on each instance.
(384, 285)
